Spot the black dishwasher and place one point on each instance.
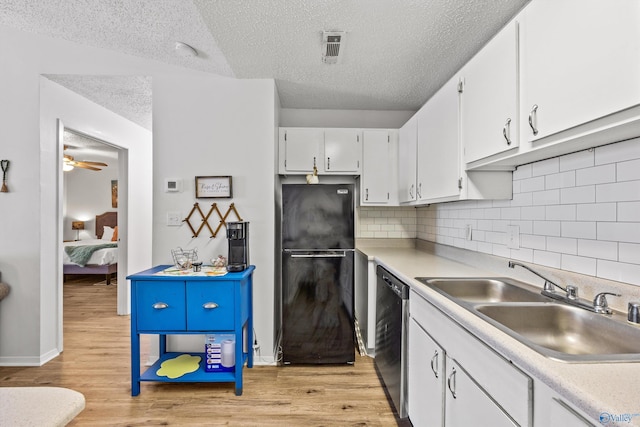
(392, 296)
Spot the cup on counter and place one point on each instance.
(197, 266)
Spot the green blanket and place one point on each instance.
(81, 254)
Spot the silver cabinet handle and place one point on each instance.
(411, 192)
(451, 382)
(419, 191)
(160, 305)
(328, 163)
(506, 131)
(366, 194)
(434, 364)
(533, 115)
(210, 305)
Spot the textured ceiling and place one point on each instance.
(397, 52)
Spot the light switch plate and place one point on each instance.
(174, 219)
(513, 236)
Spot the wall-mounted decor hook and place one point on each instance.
(5, 167)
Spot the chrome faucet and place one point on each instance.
(548, 284)
(598, 305)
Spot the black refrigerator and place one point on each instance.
(317, 273)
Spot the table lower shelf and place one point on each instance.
(199, 375)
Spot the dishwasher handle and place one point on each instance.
(393, 283)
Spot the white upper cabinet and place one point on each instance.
(407, 150)
(336, 151)
(300, 149)
(375, 188)
(580, 62)
(342, 151)
(439, 145)
(488, 103)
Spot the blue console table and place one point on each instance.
(165, 304)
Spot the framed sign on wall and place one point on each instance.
(213, 187)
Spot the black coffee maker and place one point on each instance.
(238, 237)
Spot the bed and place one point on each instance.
(103, 261)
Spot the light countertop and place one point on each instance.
(593, 387)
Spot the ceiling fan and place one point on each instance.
(69, 163)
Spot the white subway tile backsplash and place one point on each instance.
(596, 175)
(545, 167)
(547, 197)
(627, 171)
(533, 213)
(561, 212)
(620, 152)
(581, 230)
(546, 228)
(629, 211)
(562, 245)
(560, 180)
(598, 249)
(579, 212)
(579, 160)
(522, 172)
(586, 194)
(533, 242)
(619, 271)
(629, 253)
(582, 265)
(532, 184)
(549, 259)
(596, 212)
(619, 231)
(618, 192)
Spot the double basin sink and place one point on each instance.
(555, 330)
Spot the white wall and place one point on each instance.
(192, 132)
(290, 117)
(208, 126)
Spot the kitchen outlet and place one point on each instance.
(513, 236)
(174, 219)
(468, 232)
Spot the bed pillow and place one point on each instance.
(115, 234)
(107, 233)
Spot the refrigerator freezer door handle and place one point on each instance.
(337, 254)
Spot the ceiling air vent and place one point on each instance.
(332, 46)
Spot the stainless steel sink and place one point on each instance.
(484, 290)
(566, 333)
(556, 330)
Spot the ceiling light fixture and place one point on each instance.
(185, 51)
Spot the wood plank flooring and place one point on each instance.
(96, 362)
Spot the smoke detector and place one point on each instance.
(332, 46)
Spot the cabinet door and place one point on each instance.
(375, 179)
(342, 150)
(489, 111)
(160, 305)
(438, 145)
(407, 151)
(579, 62)
(466, 404)
(426, 372)
(561, 414)
(303, 148)
(210, 306)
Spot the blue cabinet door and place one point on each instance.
(161, 305)
(211, 306)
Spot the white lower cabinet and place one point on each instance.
(426, 378)
(479, 386)
(467, 404)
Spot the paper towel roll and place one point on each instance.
(228, 353)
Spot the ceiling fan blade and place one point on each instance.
(86, 162)
(83, 166)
